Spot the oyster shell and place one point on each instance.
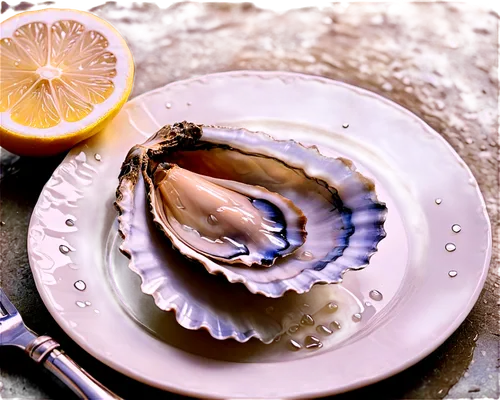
(192, 172)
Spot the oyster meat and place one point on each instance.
(225, 220)
(273, 215)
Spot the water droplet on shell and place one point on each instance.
(178, 204)
(311, 340)
(212, 219)
(307, 320)
(305, 256)
(293, 328)
(335, 325)
(293, 345)
(70, 222)
(331, 307)
(356, 317)
(64, 249)
(323, 330)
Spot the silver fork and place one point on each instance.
(45, 350)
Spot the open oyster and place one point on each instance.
(241, 203)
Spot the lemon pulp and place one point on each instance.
(54, 72)
(63, 75)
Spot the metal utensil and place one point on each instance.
(45, 350)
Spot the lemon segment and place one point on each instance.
(63, 73)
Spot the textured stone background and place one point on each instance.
(439, 60)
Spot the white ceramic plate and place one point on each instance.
(73, 243)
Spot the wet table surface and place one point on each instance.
(438, 60)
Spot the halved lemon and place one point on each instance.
(63, 74)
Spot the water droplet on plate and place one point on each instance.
(323, 330)
(356, 317)
(293, 345)
(345, 125)
(331, 307)
(368, 304)
(452, 273)
(335, 325)
(97, 157)
(269, 310)
(450, 247)
(305, 256)
(438, 201)
(456, 228)
(80, 285)
(88, 303)
(375, 295)
(212, 219)
(70, 222)
(168, 106)
(81, 304)
(64, 249)
(307, 320)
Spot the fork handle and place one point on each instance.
(45, 349)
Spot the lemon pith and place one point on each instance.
(63, 73)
